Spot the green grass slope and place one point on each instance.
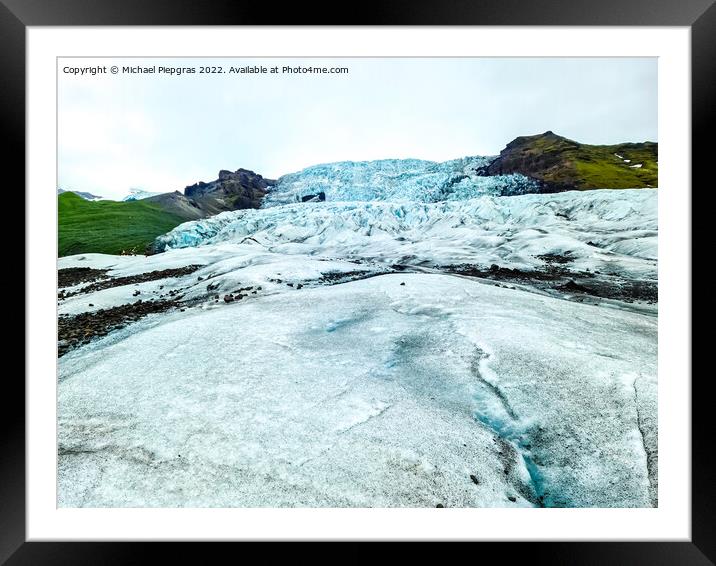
(109, 227)
(563, 164)
(598, 166)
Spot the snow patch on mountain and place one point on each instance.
(139, 194)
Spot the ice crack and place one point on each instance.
(649, 454)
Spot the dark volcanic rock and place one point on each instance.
(108, 282)
(74, 275)
(335, 277)
(552, 258)
(574, 287)
(319, 197)
(540, 157)
(231, 191)
(558, 278)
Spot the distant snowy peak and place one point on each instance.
(83, 194)
(396, 180)
(139, 194)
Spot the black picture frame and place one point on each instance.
(16, 15)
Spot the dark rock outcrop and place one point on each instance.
(540, 157)
(231, 191)
(319, 197)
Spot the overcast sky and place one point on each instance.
(161, 133)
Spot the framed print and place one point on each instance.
(425, 276)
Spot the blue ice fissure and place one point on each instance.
(490, 413)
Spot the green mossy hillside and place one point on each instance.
(563, 164)
(599, 167)
(109, 227)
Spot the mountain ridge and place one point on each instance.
(560, 164)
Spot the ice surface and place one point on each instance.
(412, 180)
(369, 393)
(615, 231)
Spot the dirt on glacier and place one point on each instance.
(100, 280)
(564, 281)
(73, 331)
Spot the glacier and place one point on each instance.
(412, 180)
(611, 231)
(364, 365)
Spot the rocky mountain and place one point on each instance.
(231, 191)
(177, 203)
(561, 164)
(130, 225)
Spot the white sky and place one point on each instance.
(162, 133)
